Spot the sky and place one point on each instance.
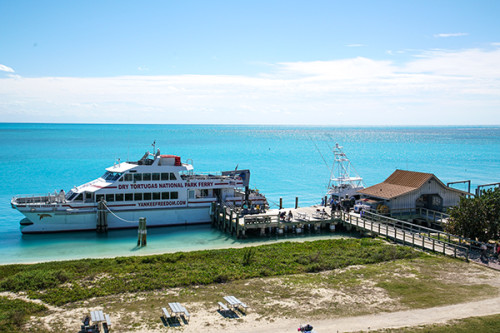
(329, 63)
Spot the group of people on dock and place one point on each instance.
(337, 205)
(283, 216)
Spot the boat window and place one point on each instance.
(110, 197)
(147, 196)
(119, 197)
(174, 195)
(146, 177)
(137, 196)
(191, 194)
(88, 195)
(71, 196)
(156, 196)
(165, 195)
(128, 177)
(99, 197)
(137, 177)
(129, 197)
(172, 176)
(164, 176)
(111, 176)
(156, 176)
(79, 197)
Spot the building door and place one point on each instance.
(430, 201)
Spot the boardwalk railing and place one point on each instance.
(428, 214)
(407, 233)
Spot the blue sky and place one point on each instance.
(257, 62)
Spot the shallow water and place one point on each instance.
(285, 161)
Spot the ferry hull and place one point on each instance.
(54, 221)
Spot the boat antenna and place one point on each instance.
(315, 145)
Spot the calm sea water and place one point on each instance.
(285, 161)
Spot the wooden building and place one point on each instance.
(410, 190)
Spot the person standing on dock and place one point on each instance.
(290, 216)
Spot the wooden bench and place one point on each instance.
(223, 307)
(165, 313)
(186, 314)
(108, 321)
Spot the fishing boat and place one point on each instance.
(344, 179)
(157, 187)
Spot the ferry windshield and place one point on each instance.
(111, 176)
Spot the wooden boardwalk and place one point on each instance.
(315, 218)
(405, 233)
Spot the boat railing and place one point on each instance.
(40, 199)
(207, 176)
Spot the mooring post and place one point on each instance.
(142, 232)
(281, 203)
(296, 202)
(102, 221)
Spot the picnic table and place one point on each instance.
(97, 316)
(301, 216)
(235, 303)
(178, 310)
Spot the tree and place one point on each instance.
(477, 218)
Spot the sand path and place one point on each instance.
(382, 320)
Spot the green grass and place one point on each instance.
(63, 282)
(468, 325)
(421, 293)
(14, 314)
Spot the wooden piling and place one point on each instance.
(281, 203)
(142, 232)
(296, 202)
(102, 220)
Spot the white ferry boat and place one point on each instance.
(158, 187)
(344, 180)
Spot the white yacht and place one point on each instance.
(158, 187)
(344, 179)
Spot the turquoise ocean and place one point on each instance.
(285, 161)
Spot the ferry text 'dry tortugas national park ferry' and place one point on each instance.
(158, 187)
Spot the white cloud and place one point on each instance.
(4, 68)
(456, 34)
(438, 87)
